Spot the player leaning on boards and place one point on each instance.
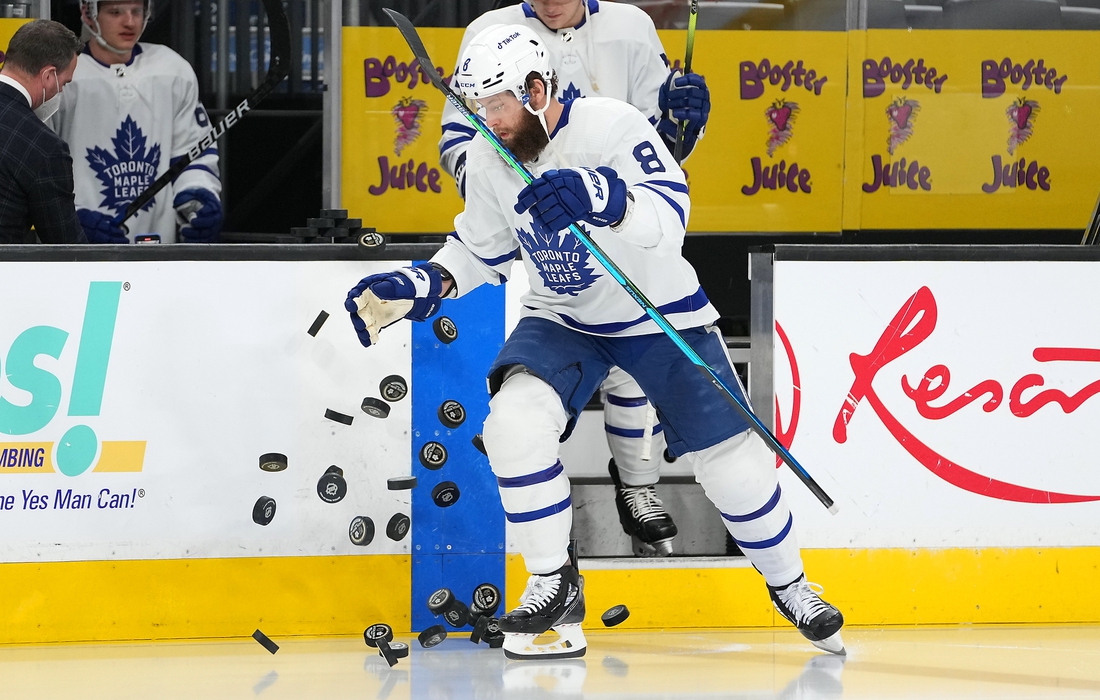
(577, 322)
(130, 111)
(608, 50)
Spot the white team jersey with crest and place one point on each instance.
(614, 53)
(125, 125)
(568, 285)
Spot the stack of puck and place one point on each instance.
(380, 636)
(334, 226)
(263, 512)
(454, 611)
(483, 606)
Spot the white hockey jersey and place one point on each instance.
(125, 125)
(568, 285)
(614, 53)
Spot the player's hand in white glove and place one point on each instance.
(381, 300)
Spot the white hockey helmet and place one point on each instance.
(500, 58)
(90, 9)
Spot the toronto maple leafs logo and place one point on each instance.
(570, 93)
(901, 115)
(407, 113)
(781, 116)
(564, 264)
(129, 170)
(1021, 116)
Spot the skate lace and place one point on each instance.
(803, 600)
(643, 503)
(539, 592)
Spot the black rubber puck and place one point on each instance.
(485, 600)
(399, 649)
(338, 417)
(398, 527)
(457, 615)
(386, 653)
(445, 329)
(445, 494)
(377, 632)
(440, 601)
(317, 323)
(264, 510)
(375, 407)
(615, 615)
(273, 462)
(334, 214)
(265, 641)
(669, 456)
(432, 636)
(335, 470)
(433, 455)
(479, 629)
(331, 487)
(372, 239)
(393, 388)
(451, 413)
(361, 530)
(401, 483)
(479, 444)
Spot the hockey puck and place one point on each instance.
(264, 511)
(451, 413)
(335, 214)
(432, 636)
(445, 329)
(399, 649)
(386, 653)
(615, 615)
(669, 457)
(401, 483)
(377, 632)
(486, 600)
(361, 530)
(320, 223)
(495, 642)
(457, 615)
(375, 407)
(331, 487)
(445, 494)
(398, 527)
(440, 601)
(479, 629)
(479, 444)
(273, 462)
(335, 470)
(317, 323)
(338, 417)
(372, 239)
(433, 455)
(393, 388)
(265, 641)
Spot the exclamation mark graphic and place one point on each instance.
(79, 444)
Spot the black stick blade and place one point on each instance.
(408, 31)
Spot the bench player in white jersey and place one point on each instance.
(131, 110)
(608, 49)
(598, 162)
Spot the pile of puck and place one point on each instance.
(479, 614)
(334, 226)
(380, 636)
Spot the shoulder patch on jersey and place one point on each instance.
(128, 171)
(564, 264)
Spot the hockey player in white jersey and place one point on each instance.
(597, 162)
(131, 110)
(611, 50)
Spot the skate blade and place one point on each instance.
(570, 644)
(833, 645)
(660, 548)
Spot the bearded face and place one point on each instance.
(528, 139)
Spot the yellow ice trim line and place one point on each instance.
(203, 598)
(870, 586)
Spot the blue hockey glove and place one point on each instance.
(384, 299)
(562, 197)
(101, 228)
(199, 213)
(683, 97)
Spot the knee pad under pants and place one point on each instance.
(627, 417)
(526, 419)
(740, 478)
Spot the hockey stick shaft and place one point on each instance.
(277, 70)
(1092, 231)
(408, 31)
(693, 15)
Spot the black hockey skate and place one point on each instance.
(818, 621)
(643, 517)
(553, 601)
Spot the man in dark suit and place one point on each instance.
(36, 170)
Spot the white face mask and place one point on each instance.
(49, 107)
